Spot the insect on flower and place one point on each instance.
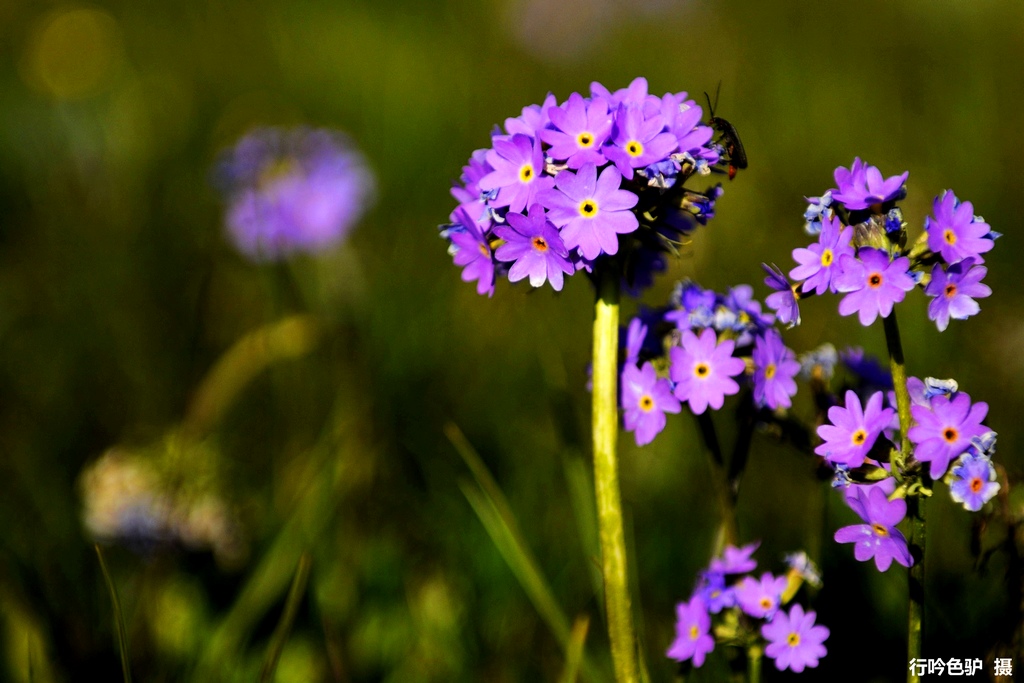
(728, 137)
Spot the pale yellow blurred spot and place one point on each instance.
(71, 52)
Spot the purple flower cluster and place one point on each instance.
(860, 250)
(710, 336)
(562, 183)
(949, 440)
(292, 191)
(793, 640)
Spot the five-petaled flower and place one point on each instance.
(794, 641)
(703, 370)
(853, 429)
(878, 537)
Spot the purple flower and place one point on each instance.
(533, 243)
(591, 211)
(954, 233)
(818, 262)
(473, 252)
(580, 130)
(878, 537)
(639, 140)
(736, 560)
(873, 282)
(783, 301)
(761, 598)
(692, 638)
(713, 591)
(944, 432)
(517, 176)
(775, 366)
(954, 289)
(292, 191)
(862, 186)
(645, 400)
(868, 371)
(635, 94)
(468, 194)
(636, 334)
(533, 119)
(703, 370)
(974, 482)
(794, 641)
(853, 431)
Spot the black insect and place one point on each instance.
(728, 137)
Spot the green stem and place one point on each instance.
(915, 501)
(606, 478)
(754, 653)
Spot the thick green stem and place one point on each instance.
(915, 501)
(606, 479)
(754, 653)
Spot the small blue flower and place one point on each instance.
(818, 208)
(974, 482)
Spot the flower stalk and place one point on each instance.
(915, 501)
(605, 424)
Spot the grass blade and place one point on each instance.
(122, 632)
(284, 626)
(574, 652)
(493, 510)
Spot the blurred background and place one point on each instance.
(149, 372)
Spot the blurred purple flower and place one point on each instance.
(736, 560)
(692, 638)
(291, 191)
(761, 598)
(472, 251)
(794, 641)
(775, 366)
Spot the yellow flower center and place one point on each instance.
(826, 258)
(483, 250)
(875, 280)
(701, 370)
(646, 403)
(634, 148)
(539, 244)
(588, 208)
(976, 485)
(769, 371)
(793, 639)
(859, 437)
(766, 602)
(950, 434)
(526, 173)
(879, 530)
(584, 140)
(694, 632)
(949, 236)
(950, 290)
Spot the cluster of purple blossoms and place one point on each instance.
(711, 336)
(949, 441)
(792, 638)
(860, 251)
(292, 191)
(562, 185)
